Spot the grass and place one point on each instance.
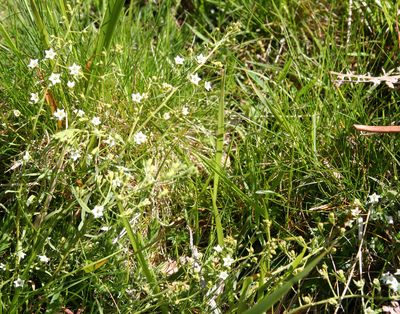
(152, 193)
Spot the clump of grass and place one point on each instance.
(161, 158)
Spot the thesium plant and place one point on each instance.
(199, 156)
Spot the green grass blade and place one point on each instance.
(272, 298)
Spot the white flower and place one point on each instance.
(223, 275)
(228, 261)
(201, 59)
(207, 86)
(16, 113)
(179, 60)
(389, 220)
(195, 79)
(75, 155)
(26, 156)
(2, 266)
(374, 198)
(74, 69)
(50, 54)
(185, 111)
(55, 78)
(389, 280)
(218, 248)
(137, 97)
(60, 114)
(166, 116)
(44, 258)
(110, 141)
(21, 255)
(80, 113)
(19, 283)
(33, 63)
(71, 84)
(98, 211)
(95, 121)
(140, 138)
(34, 98)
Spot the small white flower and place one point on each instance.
(116, 183)
(44, 258)
(166, 86)
(74, 69)
(34, 98)
(33, 63)
(140, 138)
(137, 97)
(2, 266)
(95, 121)
(179, 60)
(389, 280)
(26, 156)
(98, 211)
(50, 54)
(79, 112)
(110, 141)
(55, 78)
(201, 59)
(389, 220)
(71, 84)
(60, 114)
(218, 248)
(223, 275)
(195, 79)
(16, 113)
(374, 198)
(21, 255)
(185, 111)
(75, 155)
(19, 283)
(228, 261)
(166, 116)
(207, 86)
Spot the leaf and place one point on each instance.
(91, 267)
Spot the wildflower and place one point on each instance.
(218, 248)
(21, 255)
(19, 283)
(137, 97)
(179, 60)
(195, 79)
(98, 211)
(166, 86)
(44, 258)
(34, 98)
(228, 261)
(16, 113)
(33, 63)
(223, 275)
(110, 141)
(74, 69)
(185, 111)
(50, 54)
(389, 280)
(140, 138)
(26, 156)
(389, 220)
(75, 155)
(374, 198)
(80, 113)
(201, 59)
(60, 114)
(207, 86)
(95, 121)
(2, 266)
(55, 78)
(116, 183)
(166, 116)
(71, 84)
